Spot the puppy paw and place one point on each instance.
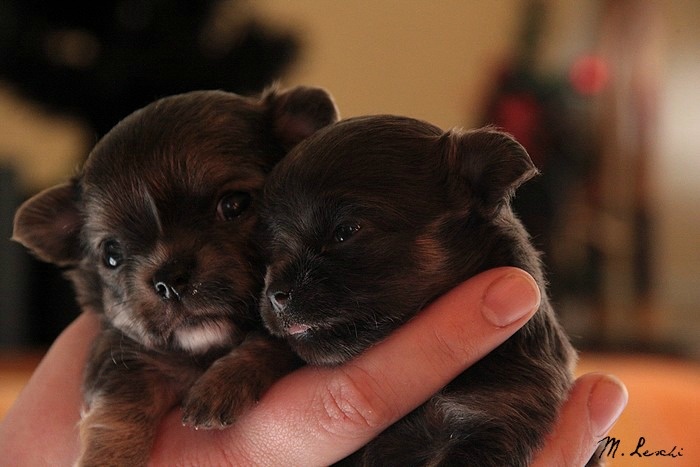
(216, 400)
(235, 382)
(204, 410)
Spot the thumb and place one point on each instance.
(595, 403)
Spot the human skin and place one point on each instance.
(316, 416)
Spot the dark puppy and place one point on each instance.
(372, 218)
(157, 234)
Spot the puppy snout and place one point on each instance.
(172, 280)
(279, 299)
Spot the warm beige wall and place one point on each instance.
(676, 171)
(42, 148)
(430, 60)
(433, 60)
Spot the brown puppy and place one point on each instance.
(157, 234)
(368, 221)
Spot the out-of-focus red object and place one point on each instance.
(589, 75)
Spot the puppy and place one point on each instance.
(371, 219)
(157, 235)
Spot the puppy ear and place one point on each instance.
(492, 163)
(299, 112)
(49, 225)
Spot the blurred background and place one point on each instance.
(603, 94)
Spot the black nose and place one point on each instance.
(279, 299)
(172, 280)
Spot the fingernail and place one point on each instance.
(607, 400)
(510, 298)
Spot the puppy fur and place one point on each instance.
(157, 235)
(371, 219)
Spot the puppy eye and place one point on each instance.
(344, 232)
(232, 205)
(112, 255)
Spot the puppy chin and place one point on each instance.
(321, 347)
(121, 319)
(191, 337)
(279, 325)
(276, 325)
(315, 345)
(204, 337)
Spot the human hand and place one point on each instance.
(41, 428)
(314, 416)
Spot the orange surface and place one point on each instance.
(15, 370)
(663, 408)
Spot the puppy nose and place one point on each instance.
(279, 300)
(171, 280)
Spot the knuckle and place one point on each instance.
(352, 404)
(458, 348)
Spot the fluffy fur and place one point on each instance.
(157, 235)
(368, 221)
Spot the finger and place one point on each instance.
(47, 410)
(316, 416)
(595, 403)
